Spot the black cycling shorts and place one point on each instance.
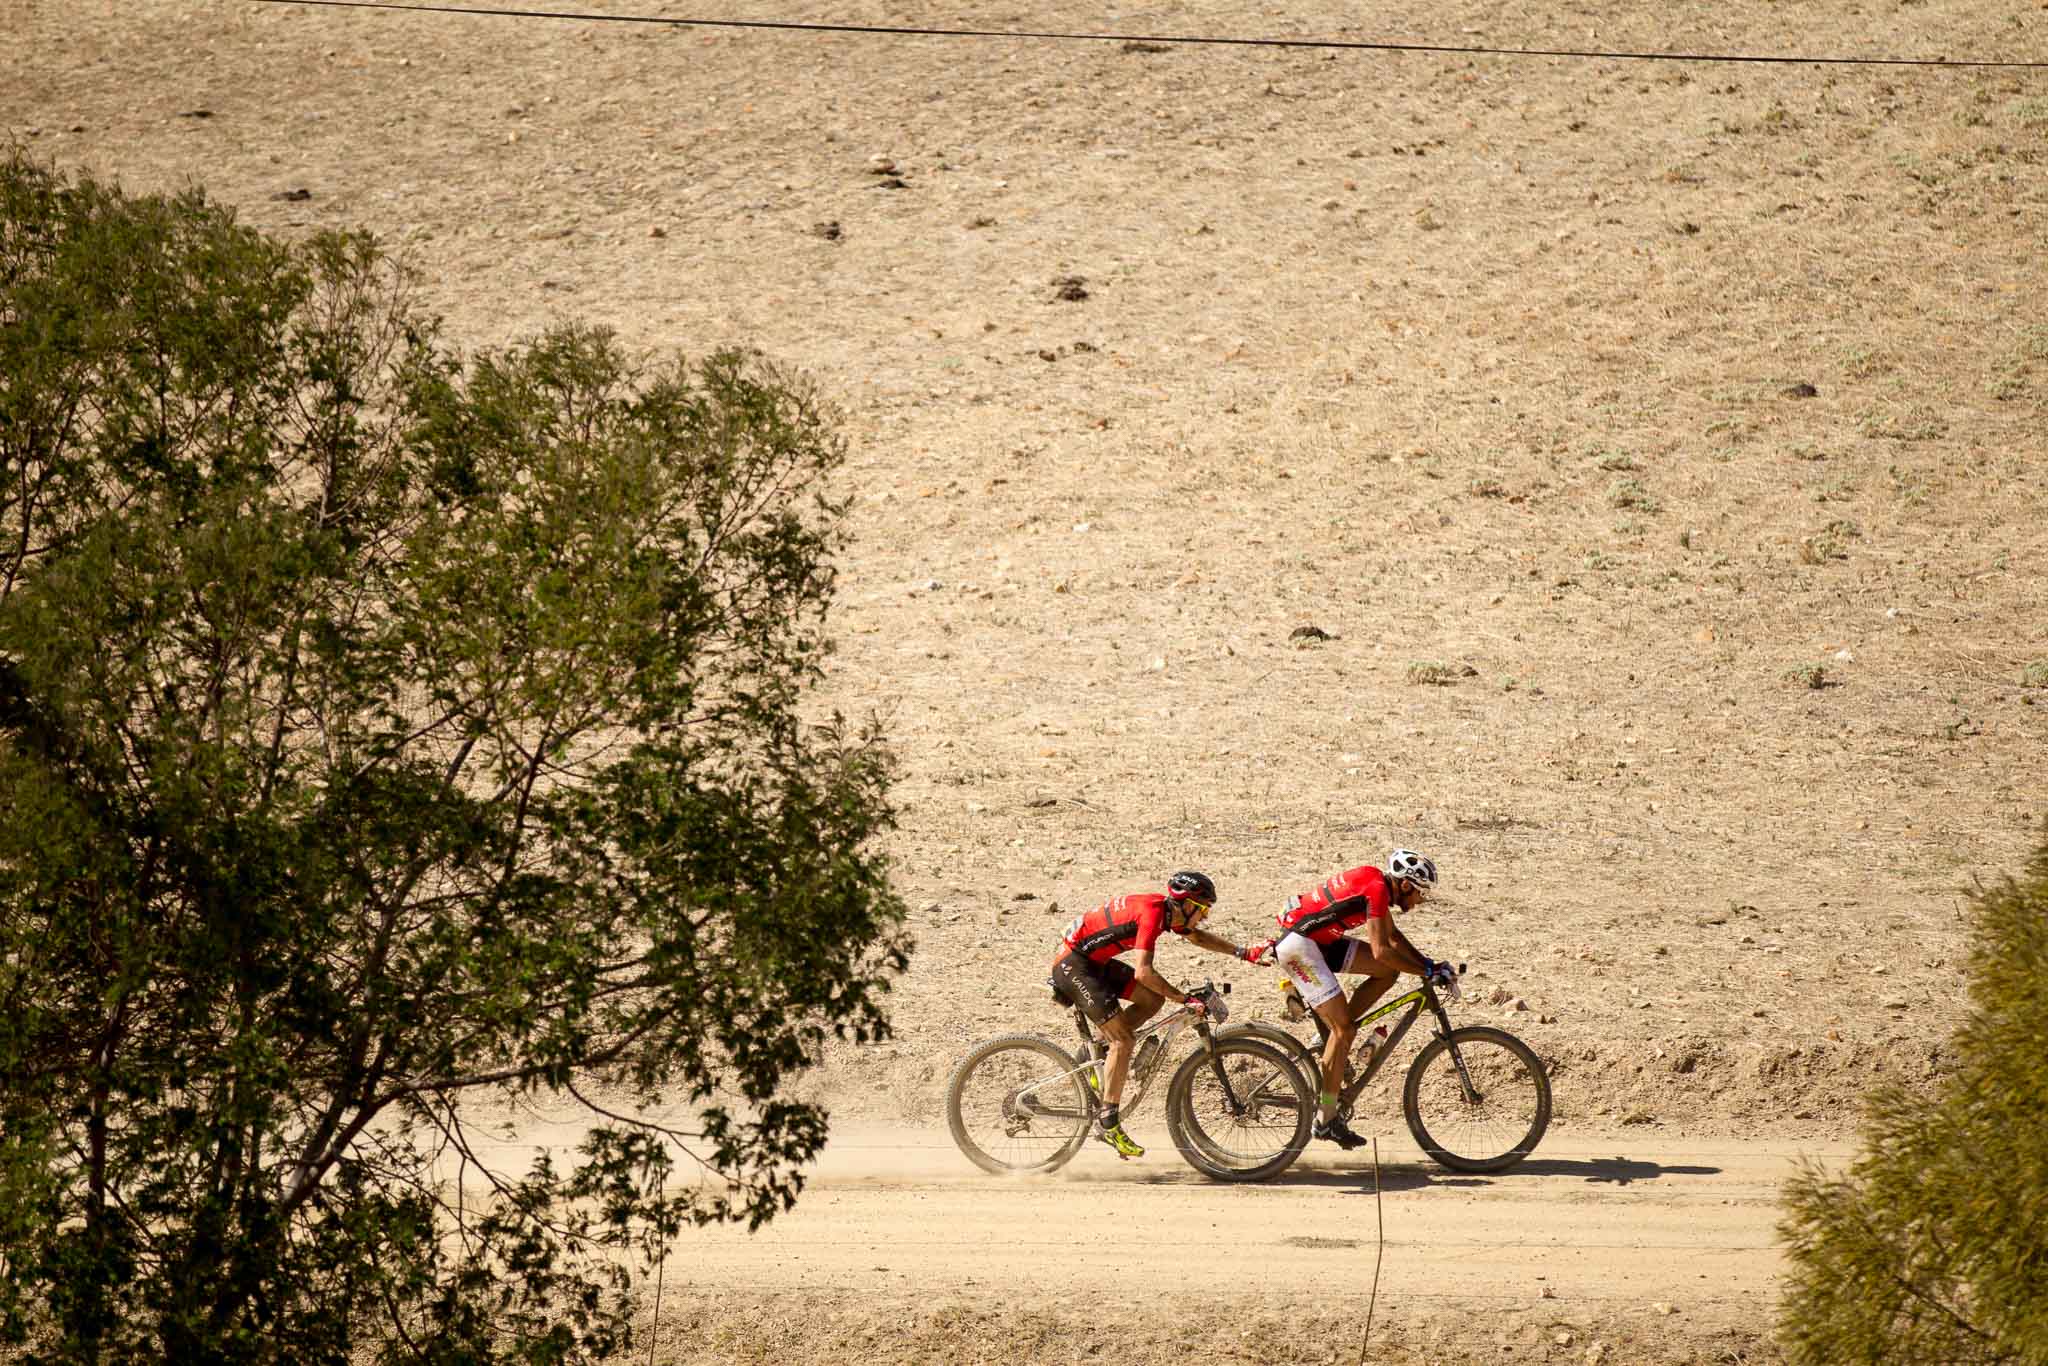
(1337, 953)
(1095, 987)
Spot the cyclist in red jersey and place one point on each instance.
(1086, 973)
(1314, 947)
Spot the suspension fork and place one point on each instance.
(1443, 1024)
(1230, 1100)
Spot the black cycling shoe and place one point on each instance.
(1338, 1132)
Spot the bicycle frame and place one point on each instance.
(1168, 1027)
(1422, 997)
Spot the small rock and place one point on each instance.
(1518, 1004)
(1661, 1307)
(1562, 1339)
(929, 907)
(657, 231)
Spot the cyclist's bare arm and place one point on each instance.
(1148, 976)
(1202, 939)
(1389, 945)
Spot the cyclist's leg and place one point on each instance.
(1080, 986)
(1303, 961)
(1141, 1003)
(1335, 1013)
(1121, 1030)
(1119, 1025)
(1378, 976)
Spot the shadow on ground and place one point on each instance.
(1616, 1171)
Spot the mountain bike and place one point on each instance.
(1477, 1099)
(1022, 1103)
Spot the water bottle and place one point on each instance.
(1147, 1051)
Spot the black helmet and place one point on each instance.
(1191, 887)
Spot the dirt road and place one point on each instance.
(1615, 1246)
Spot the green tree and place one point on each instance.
(386, 736)
(1933, 1247)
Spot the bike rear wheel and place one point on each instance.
(1497, 1128)
(1308, 1059)
(1251, 1130)
(1019, 1103)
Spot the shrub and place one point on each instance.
(1933, 1246)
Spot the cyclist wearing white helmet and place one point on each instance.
(1314, 948)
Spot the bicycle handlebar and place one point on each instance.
(1211, 994)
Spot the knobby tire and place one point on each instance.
(1012, 1110)
(1509, 1121)
(1264, 1141)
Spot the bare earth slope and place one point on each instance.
(1657, 450)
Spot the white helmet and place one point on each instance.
(1406, 863)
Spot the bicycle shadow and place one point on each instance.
(1409, 1176)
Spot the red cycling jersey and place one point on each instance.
(1126, 922)
(1343, 903)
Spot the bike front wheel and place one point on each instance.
(1309, 1060)
(1239, 1110)
(1019, 1103)
(1495, 1123)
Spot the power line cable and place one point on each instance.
(1027, 35)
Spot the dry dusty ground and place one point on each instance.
(1658, 447)
(1605, 1247)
